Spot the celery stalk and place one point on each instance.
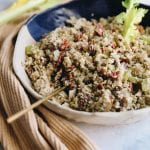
(12, 14)
(132, 17)
(49, 4)
(18, 3)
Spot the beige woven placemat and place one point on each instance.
(40, 129)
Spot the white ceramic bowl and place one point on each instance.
(25, 38)
(104, 118)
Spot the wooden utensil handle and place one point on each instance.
(34, 105)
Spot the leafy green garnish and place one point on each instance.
(28, 50)
(146, 85)
(146, 39)
(120, 18)
(132, 17)
(22, 6)
(127, 76)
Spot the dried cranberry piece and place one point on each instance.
(78, 37)
(115, 74)
(65, 44)
(60, 58)
(99, 30)
(69, 69)
(114, 45)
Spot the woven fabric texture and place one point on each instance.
(40, 129)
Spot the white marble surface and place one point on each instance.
(126, 137)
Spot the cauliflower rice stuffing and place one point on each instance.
(102, 71)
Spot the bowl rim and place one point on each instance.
(24, 30)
